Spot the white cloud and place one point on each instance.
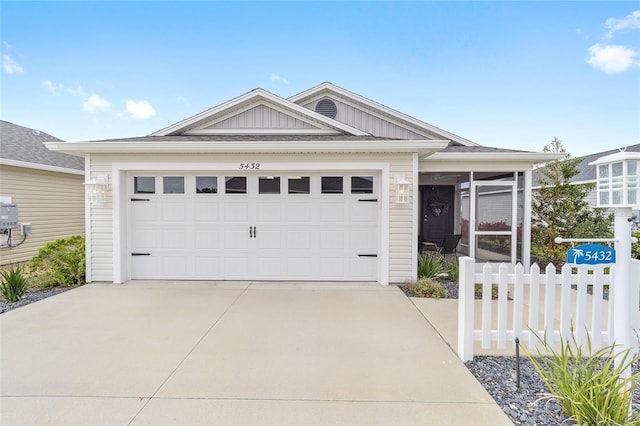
(611, 58)
(140, 110)
(276, 77)
(10, 66)
(78, 91)
(630, 22)
(95, 103)
(54, 89)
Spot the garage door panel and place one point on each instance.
(235, 239)
(299, 267)
(145, 239)
(331, 268)
(332, 239)
(270, 267)
(206, 239)
(299, 212)
(235, 268)
(361, 267)
(206, 213)
(332, 212)
(362, 239)
(173, 239)
(236, 212)
(207, 266)
(269, 239)
(363, 213)
(174, 212)
(269, 212)
(299, 239)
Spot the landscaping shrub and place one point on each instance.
(635, 247)
(452, 268)
(429, 265)
(12, 284)
(590, 389)
(427, 287)
(60, 262)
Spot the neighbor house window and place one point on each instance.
(144, 184)
(362, 184)
(332, 184)
(298, 184)
(206, 185)
(173, 185)
(235, 185)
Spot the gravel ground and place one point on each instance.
(31, 296)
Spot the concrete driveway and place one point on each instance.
(152, 353)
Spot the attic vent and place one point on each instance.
(327, 108)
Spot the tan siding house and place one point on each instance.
(326, 185)
(47, 188)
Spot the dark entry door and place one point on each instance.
(437, 211)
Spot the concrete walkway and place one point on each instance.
(156, 353)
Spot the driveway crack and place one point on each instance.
(189, 353)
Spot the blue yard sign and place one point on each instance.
(591, 255)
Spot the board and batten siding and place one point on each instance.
(363, 120)
(52, 202)
(261, 117)
(401, 218)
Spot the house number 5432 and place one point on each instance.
(249, 166)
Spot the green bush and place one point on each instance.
(453, 270)
(635, 248)
(429, 265)
(494, 291)
(590, 389)
(427, 287)
(12, 284)
(60, 263)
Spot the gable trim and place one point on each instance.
(320, 89)
(259, 103)
(258, 95)
(262, 132)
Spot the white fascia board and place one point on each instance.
(36, 166)
(262, 132)
(257, 95)
(532, 157)
(317, 91)
(422, 147)
(618, 156)
(484, 161)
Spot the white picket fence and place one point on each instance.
(542, 302)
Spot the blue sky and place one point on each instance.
(507, 74)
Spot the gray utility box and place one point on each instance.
(8, 216)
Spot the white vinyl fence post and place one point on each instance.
(466, 308)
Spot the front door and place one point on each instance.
(436, 209)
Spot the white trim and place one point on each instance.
(257, 94)
(121, 263)
(420, 146)
(416, 217)
(535, 157)
(46, 167)
(329, 87)
(262, 132)
(87, 223)
(526, 220)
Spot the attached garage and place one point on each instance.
(291, 225)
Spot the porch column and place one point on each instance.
(526, 220)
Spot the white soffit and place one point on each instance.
(251, 99)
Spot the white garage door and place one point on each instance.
(281, 226)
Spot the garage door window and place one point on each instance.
(173, 185)
(235, 185)
(362, 184)
(269, 185)
(206, 185)
(332, 184)
(144, 184)
(298, 184)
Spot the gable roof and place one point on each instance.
(24, 147)
(202, 122)
(382, 111)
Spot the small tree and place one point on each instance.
(560, 209)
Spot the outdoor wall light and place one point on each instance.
(618, 180)
(97, 188)
(402, 190)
